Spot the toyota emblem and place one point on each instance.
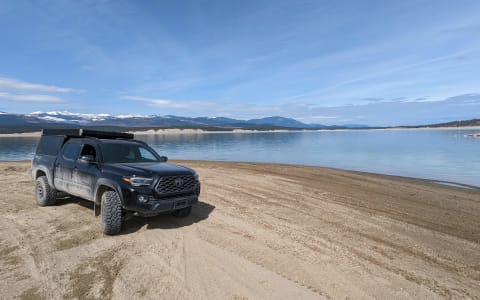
(178, 182)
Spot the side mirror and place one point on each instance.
(87, 159)
(163, 158)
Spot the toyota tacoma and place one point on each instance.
(114, 171)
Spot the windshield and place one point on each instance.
(127, 153)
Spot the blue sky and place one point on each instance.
(328, 62)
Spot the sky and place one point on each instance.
(324, 62)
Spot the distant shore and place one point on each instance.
(23, 134)
(201, 131)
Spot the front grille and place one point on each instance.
(175, 184)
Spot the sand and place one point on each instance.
(24, 134)
(260, 231)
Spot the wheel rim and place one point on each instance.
(39, 191)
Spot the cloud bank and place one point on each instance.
(12, 89)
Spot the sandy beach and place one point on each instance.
(261, 231)
(24, 134)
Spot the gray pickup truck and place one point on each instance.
(114, 171)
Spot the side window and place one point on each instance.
(146, 155)
(71, 151)
(88, 150)
(50, 144)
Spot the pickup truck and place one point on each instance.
(114, 171)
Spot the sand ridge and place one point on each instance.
(260, 231)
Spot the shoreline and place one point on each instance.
(366, 173)
(180, 131)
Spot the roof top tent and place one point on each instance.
(88, 133)
(52, 140)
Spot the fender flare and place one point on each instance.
(47, 172)
(97, 198)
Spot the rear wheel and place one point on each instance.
(44, 193)
(111, 213)
(183, 212)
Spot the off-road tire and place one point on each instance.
(44, 193)
(111, 213)
(182, 212)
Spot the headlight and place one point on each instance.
(195, 175)
(138, 181)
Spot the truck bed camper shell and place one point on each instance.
(53, 139)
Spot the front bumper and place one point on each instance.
(156, 205)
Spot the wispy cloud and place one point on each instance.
(421, 99)
(310, 118)
(372, 113)
(373, 99)
(157, 102)
(382, 70)
(31, 98)
(210, 108)
(7, 83)
(15, 90)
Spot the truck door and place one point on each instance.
(86, 172)
(64, 167)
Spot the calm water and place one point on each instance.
(446, 155)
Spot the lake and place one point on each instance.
(443, 155)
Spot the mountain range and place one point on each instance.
(37, 120)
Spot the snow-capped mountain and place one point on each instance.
(68, 117)
(37, 120)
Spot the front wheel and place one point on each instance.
(44, 193)
(182, 212)
(111, 213)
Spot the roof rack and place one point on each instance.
(88, 133)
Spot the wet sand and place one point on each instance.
(260, 231)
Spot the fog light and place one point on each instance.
(143, 198)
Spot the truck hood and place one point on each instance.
(149, 169)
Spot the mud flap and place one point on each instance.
(96, 210)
